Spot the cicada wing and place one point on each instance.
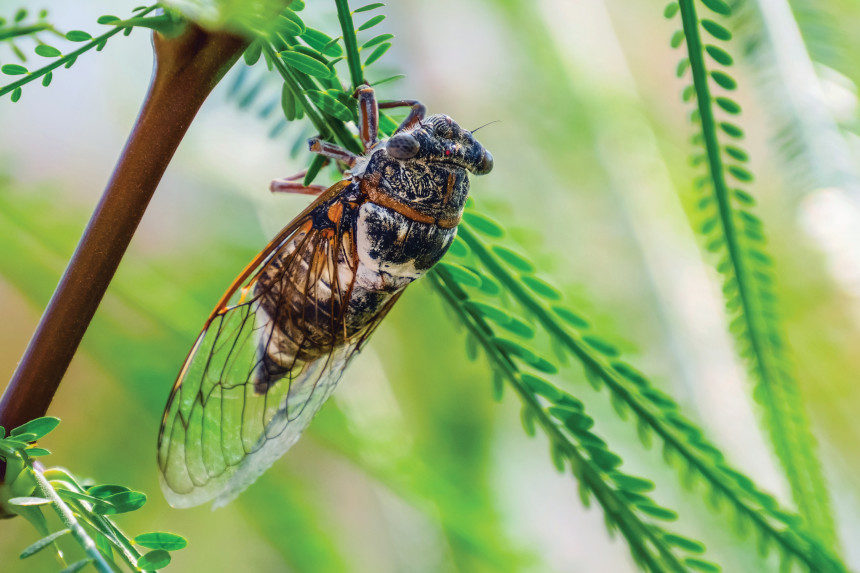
(245, 394)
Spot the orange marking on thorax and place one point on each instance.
(449, 188)
(370, 187)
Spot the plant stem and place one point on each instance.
(350, 42)
(10, 33)
(187, 67)
(69, 520)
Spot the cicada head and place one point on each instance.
(439, 139)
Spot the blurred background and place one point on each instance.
(412, 466)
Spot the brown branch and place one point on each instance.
(187, 67)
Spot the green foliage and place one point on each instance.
(166, 23)
(81, 508)
(736, 237)
(573, 445)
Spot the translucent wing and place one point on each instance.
(269, 356)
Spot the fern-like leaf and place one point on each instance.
(736, 236)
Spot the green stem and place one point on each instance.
(619, 387)
(69, 520)
(350, 42)
(10, 33)
(70, 57)
(633, 528)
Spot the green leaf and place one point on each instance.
(513, 259)
(671, 9)
(574, 420)
(123, 502)
(376, 40)
(700, 565)
(600, 345)
(730, 106)
(718, 6)
(658, 512)
(526, 354)
(716, 30)
(329, 105)
(322, 43)
(483, 224)
(107, 19)
(384, 81)
(100, 505)
(541, 287)
(632, 483)
(46, 79)
(724, 80)
(540, 386)
(732, 130)
(47, 51)
(40, 427)
(489, 311)
(298, 23)
(104, 491)
(156, 559)
(719, 55)
(306, 64)
(161, 540)
(371, 23)
(288, 103)
(461, 274)
(252, 53)
(458, 248)
(377, 53)
(37, 452)
(78, 36)
(368, 7)
(29, 501)
(42, 543)
(13, 70)
(740, 173)
(570, 317)
(684, 543)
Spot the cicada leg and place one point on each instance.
(416, 114)
(293, 184)
(328, 149)
(368, 117)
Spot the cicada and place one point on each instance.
(280, 338)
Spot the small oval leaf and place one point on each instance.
(156, 559)
(161, 540)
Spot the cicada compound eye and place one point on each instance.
(403, 146)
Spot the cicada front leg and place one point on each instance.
(368, 117)
(293, 184)
(416, 114)
(368, 114)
